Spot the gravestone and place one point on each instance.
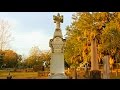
(57, 48)
(106, 69)
(86, 71)
(9, 76)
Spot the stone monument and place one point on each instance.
(94, 61)
(106, 69)
(94, 72)
(57, 51)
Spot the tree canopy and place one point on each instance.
(104, 26)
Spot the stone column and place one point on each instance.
(94, 61)
(57, 48)
(94, 73)
(106, 69)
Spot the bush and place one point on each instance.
(36, 68)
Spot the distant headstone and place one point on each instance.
(86, 71)
(106, 69)
(9, 76)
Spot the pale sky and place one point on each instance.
(30, 29)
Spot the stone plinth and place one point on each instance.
(58, 76)
(57, 63)
(95, 74)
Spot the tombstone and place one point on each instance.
(74, 76)
(9, 76)
(43, 65)
(86, 70)
(106, 69)
(57, 48)
(94, 72)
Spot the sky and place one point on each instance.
(30, 29)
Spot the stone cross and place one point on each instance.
(58, 19)
(56, 44)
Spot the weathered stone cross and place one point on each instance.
(58, 19)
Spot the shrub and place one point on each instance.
(36, 68)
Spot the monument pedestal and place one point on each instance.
(57, 66)
(57, 63)
(95, 74)
(58, 76)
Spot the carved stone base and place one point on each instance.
(95, 74)
(9, 77)
(58, 76)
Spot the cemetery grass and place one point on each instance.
(114, 76)
(34, 75)
(21, 75)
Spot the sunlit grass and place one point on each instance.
(34, 75)
(21, 75)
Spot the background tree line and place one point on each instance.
(10, 59)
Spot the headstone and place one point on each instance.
(9, 76)
(57, 48)
(106, 69)
(86, 71)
